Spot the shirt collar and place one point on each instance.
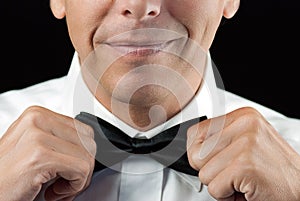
(79, 98)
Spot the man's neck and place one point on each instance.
(145, 117)
(149, 108)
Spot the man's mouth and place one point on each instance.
(139, 50)
(144, 42)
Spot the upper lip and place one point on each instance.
(143, 38)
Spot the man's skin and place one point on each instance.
(249, 162)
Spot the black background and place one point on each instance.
(256, 52)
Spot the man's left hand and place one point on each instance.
(245, 160)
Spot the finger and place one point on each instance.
(73, 173)
(220, 162)
(237, 124)
(225, 186)
(73, 136)
(52, 196)
(209, 127)
(78, 133)
(55, 144)
(39, 138)
(60, 189)
(235, 197)
(67, 148)
(70, 198)
(221, 187)
(61, 126)
(54, 123)
(204, 129)
(203, 137)
(200, 153)
(60, 192)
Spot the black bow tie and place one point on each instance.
(113, 145)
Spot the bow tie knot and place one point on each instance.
(142, 146)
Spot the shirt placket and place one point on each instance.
(141, 179)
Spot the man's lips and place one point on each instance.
(140, 48)
(143, 41)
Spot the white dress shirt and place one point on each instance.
(136, 178)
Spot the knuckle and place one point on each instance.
(43, 177)
(249, 110)
(203, 176)
(195, 134)
(191, 131)
(245, 141)
(250, 114)
(86, 168)
(249, 141)
(76, 186)
(91, 164)
(33, 114)
(191, 136)
(33, 109)
(90, 131)
(89, 146)
(33, 134)
(83, 171)
(213, 190)
(251, 118)
(83, 129)
(93, 148)
(38, 153)
(90, 157)
(189, 154)
(244, 164)
(194, 159)
(240, 161)
(80, 174)
(32, 137)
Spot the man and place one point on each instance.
(144, 67)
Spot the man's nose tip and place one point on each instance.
(141, 9)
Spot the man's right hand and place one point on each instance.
(42, 146)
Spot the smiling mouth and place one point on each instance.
(138, 50)
(139, 43)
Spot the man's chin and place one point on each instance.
(146, 96)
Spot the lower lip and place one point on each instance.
(138, 51)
